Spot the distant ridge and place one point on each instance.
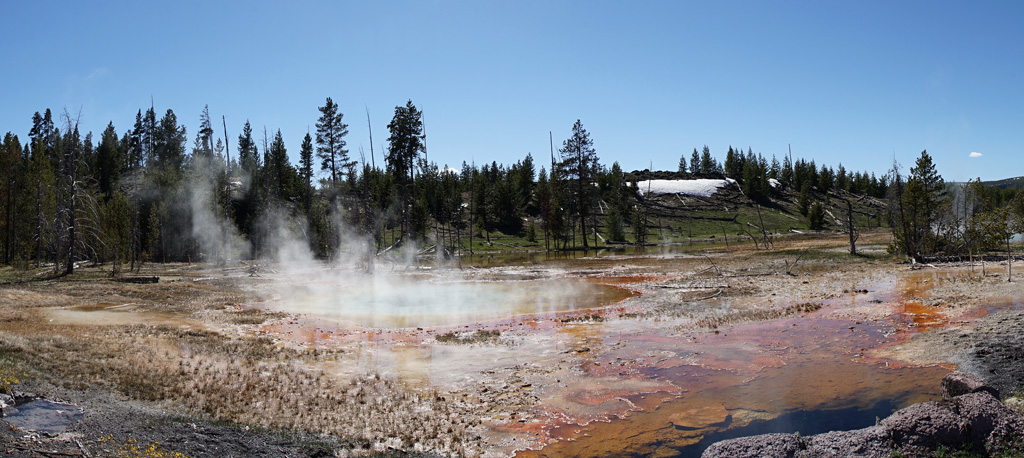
(1008, 183)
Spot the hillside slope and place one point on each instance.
(1008, 183)
(676, 217)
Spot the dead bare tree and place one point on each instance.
(789, 268)
(850, 228)
(757, 246)
(767, 239)
(67, 191)
(227, 146)
(1009, 260)
(715, 266)
(135, 251)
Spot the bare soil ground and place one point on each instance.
(203, 364)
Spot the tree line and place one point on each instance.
(145, 195)
(930, 217)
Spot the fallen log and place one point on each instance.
(140, 280)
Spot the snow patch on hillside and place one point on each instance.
(700, 187)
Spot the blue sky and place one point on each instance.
(842, 82)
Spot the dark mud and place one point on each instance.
(984, 334)
(992, 349)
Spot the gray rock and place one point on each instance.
(764, 446)
(991, 422)
(958, 383)
(921, 428)
(21, 396)
(972, 417)
(870, 442)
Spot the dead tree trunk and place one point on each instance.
(767, 240)
(69, 169)
(1009, 260)
(850, 228)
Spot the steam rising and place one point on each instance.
(217, 236)
(389, 300)
(365, 288)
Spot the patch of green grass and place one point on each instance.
(945, 452)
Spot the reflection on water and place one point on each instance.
(805, 422)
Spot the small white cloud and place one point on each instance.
(98, 73)
(975, 154)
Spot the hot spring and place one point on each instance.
(407, 300)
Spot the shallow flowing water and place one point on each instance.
(42, 416)
(808, 374)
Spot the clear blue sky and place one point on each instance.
(849, 82)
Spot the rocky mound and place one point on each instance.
(970, 416)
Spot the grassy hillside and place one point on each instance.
(726, 215)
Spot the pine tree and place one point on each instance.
(405, 144)
(842, 180)
(921, 198)
(280, 170)
(523, 173)
(248, 156)
(148, 136)
(43, 180)
(695, 163)
(786, 174)
(816, 216)
(107, 170)
(330, 140)
(169, 150)
(45, 134)
(804, 200)
(306, 171)
(579, 165)
(136, 152)
(826, 179)
(11, 183)
(614, 195)
(735, 165)
(708, 165)
(204, 136)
